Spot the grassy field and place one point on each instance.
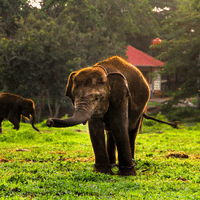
(58, 164)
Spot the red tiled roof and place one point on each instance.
(139, 58)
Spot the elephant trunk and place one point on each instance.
(33, 122)
(81, 116)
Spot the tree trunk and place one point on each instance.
(40, 105)
(57, 108)
(49, 105)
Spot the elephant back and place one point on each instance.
(137, 85)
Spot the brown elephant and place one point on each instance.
(13, 106)
(110, 95)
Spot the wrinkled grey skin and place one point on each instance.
(110, 96)
(13, 106)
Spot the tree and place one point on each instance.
(63, 36)
(130, 22)
(45, 49)
(10, 12)
(98, 40)
(182, 49)
(39, 59)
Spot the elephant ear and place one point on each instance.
(118, 83)
(69, 86)
(119, 89)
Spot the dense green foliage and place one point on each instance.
(181, 49)
(58, 163)
(46, 44)
(39, 47)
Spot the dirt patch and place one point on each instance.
(22, 150)
(79, 159)
(2, 160)
(59, 152)
(79, 131)
(177, 155)
(181, 179)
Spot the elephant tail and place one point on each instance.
(174, 125)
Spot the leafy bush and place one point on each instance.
(43, 123)
(183, 113)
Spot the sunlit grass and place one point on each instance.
(57, 164)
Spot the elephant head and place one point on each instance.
(91, 92)
(28, 109)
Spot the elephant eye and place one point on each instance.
(98, 97)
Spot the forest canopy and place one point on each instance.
(40, 47)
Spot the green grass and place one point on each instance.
(152, 103)
(58, 163)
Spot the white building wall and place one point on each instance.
(157, 81)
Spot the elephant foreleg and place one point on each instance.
(119, 125)
(111, 148)
(15, 120)
(97, 136)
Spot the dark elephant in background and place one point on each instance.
(110, 95)
(13, 106)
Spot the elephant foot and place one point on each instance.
(127, 171)
(106, 169)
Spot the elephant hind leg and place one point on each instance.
(1, 119)
(132, 136)
(111, 148)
